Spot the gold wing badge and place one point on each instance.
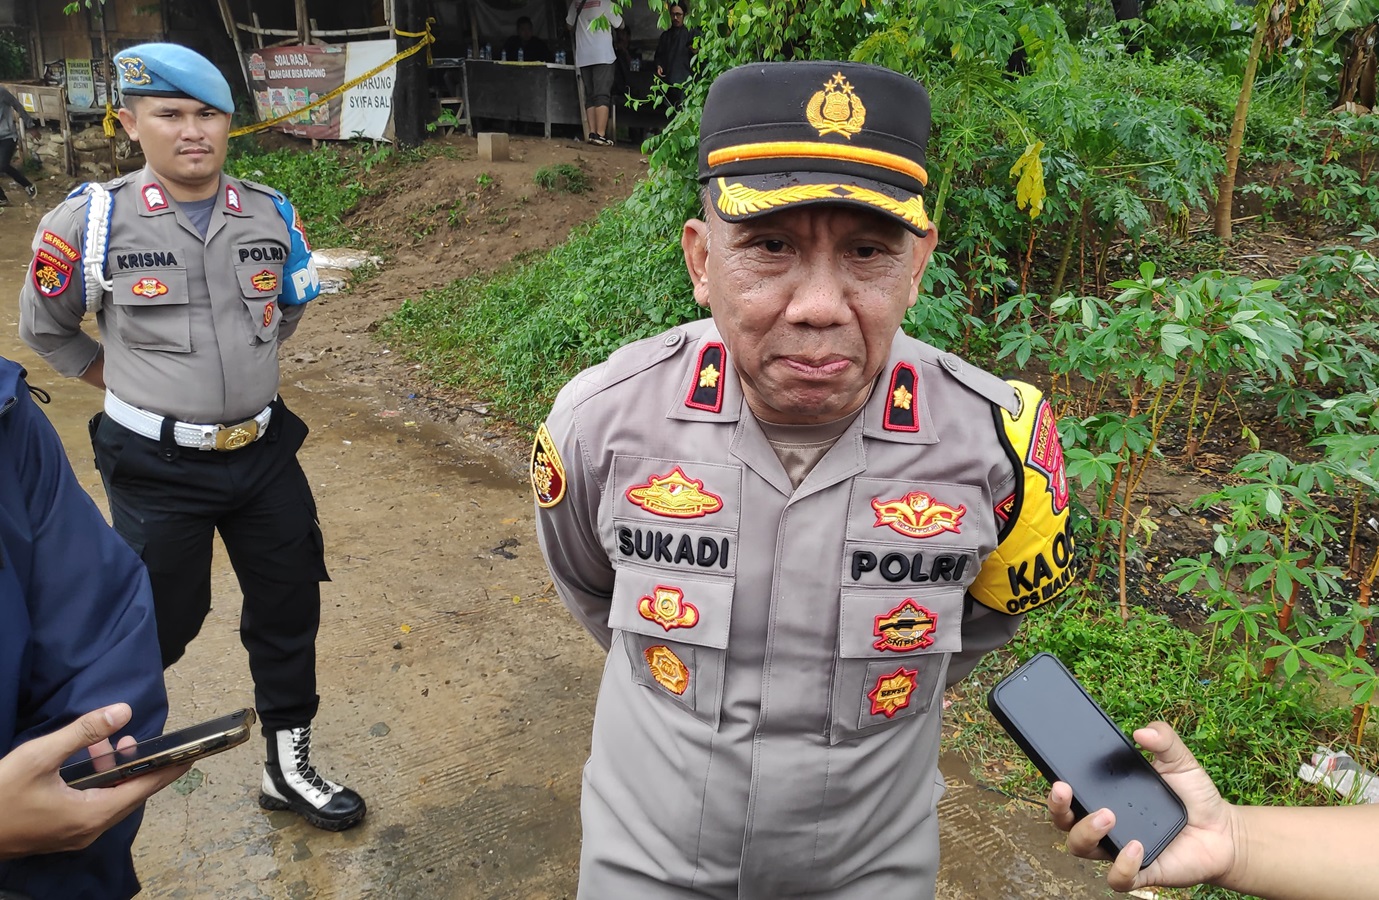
(836, 109)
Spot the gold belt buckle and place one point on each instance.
(233, 437)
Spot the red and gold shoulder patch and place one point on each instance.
(61, 246)
(902, 411)
(1046, 456)
(675, 495)
(892, 692)
(547, 471)
(266, 281)
(906, 628)
(918, 515)
(149, 287)
(154, 199)
(1006, 508)
(51, 273)
(667, 608)
(706, 391)
(268, 313)
(669, 672)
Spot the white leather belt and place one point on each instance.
(186, 434)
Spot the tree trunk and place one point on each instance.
(1226, 194)
(410, 98)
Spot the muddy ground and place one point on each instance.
(457, 694)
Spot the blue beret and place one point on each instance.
(171, 70)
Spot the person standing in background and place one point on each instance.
(196, 279)
(673, 52)
(9, 141)
(593, 22)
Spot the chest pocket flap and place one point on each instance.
(152, 311)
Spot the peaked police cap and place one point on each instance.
(171, 70)
(775, 136)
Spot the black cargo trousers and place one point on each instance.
(166, 501)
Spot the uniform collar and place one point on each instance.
(154, 199)
(897, 411)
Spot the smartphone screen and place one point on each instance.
(1070, 738)
(167, 749)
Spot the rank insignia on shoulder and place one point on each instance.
(906, 628)
(918, 515)
(669, 672)
(902, 412)
(51, 273)
(547, 471)
(154, 200)
(667, 608)
(675, 495)
(706, 390)
(892, 692)
(232, 199)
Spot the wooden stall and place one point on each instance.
(543, 93)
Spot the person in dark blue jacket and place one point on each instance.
(79, 662)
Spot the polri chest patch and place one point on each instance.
(667, 668)
(675, 495)
(667, 607)
(547, 471)
(918, 515)
(906, 628)
(892, 692)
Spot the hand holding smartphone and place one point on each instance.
(1070, 738)
(171, 749)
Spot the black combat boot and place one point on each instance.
(290, 782)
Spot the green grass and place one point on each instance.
(562, 177)
(1251, 741)
(517, 337)
(323, 184)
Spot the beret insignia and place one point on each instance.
(132, 70)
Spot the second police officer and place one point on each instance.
(195, 278)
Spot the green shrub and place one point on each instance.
(562, 178)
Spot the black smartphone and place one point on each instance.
(173, 748)
(1070, 738)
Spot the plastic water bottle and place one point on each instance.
(488, 51)
(503, 56)
(521, 55)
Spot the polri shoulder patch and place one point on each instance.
(1033, 563)
(547, 471)
(706, 390)
(51, 273)
(902, 412)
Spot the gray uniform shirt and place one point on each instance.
(192, 326)
(769, 715)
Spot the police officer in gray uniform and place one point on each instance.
(195, 278)
(791, 524)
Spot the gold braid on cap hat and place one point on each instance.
(740, 200)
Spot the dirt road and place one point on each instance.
(457, 694)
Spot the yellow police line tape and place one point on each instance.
(426, 40)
